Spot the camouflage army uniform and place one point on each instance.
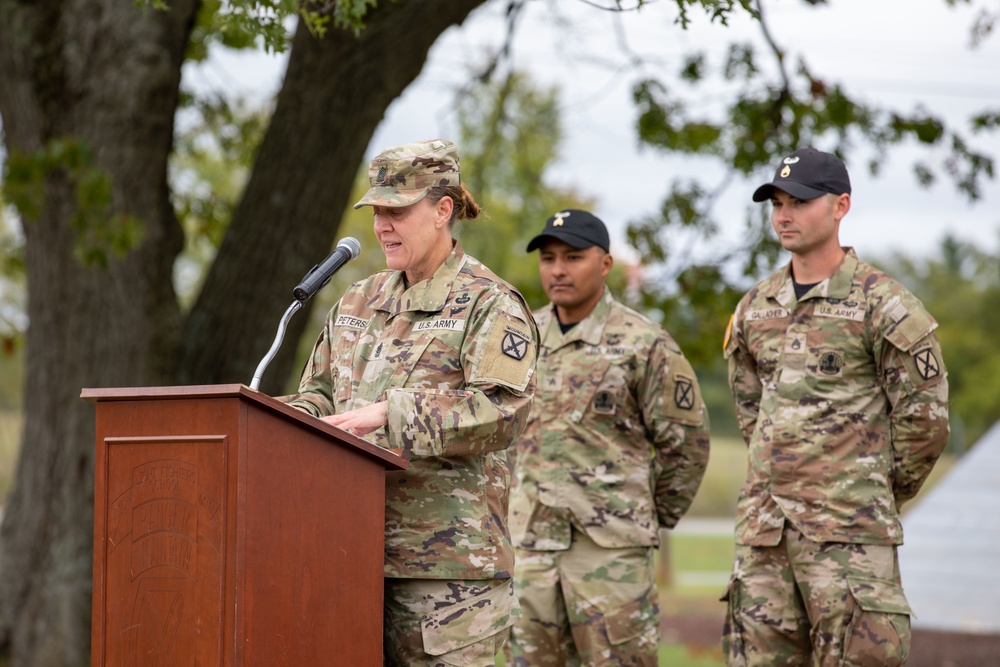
(454, 356)
(615, 449)
(842, 399)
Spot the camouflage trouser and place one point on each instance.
(808, 603)
(585, 606)
(440, 623)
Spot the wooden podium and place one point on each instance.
(231, 530)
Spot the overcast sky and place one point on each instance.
(895, 53)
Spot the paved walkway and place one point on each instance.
(705, 526)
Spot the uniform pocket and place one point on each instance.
(626, 622)
(733, 645)
(877, 633)
(607, 402)
(472, 620)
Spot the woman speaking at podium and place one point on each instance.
(433, 357)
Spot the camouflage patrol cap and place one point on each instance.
(806, 174)
(401, 175)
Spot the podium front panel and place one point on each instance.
(229, 532)
(165, 550)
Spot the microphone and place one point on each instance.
(347, 249)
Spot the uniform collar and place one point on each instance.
(838, 286)
(589, 330)
(429, 295)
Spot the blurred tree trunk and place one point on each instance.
(334, 95)
(103, 76)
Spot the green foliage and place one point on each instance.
(766, 117)
(100, 232)
(961, 289)
(241, 24)
(717, 10)
(209, 168)
(13, 305)
(212, 26)
(509, 135)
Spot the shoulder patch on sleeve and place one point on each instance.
(729, 335)
(926, 361)
(683, 403)
(508, 357)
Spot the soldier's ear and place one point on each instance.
(607, 261)
(841, 205)
(442, 211)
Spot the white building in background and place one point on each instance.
(950, 559)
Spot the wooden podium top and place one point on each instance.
(391, 458)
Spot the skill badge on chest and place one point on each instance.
(831, 363)
(604, 402)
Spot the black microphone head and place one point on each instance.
(351, 244)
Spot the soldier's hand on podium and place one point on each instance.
(362, 420)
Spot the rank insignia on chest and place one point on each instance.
(551, 380)
(514, 346)
(684, 394)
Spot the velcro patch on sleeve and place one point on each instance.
(508, 355)
(911, 330)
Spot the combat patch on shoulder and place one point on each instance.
(508, 355)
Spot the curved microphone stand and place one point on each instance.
(282, 325)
